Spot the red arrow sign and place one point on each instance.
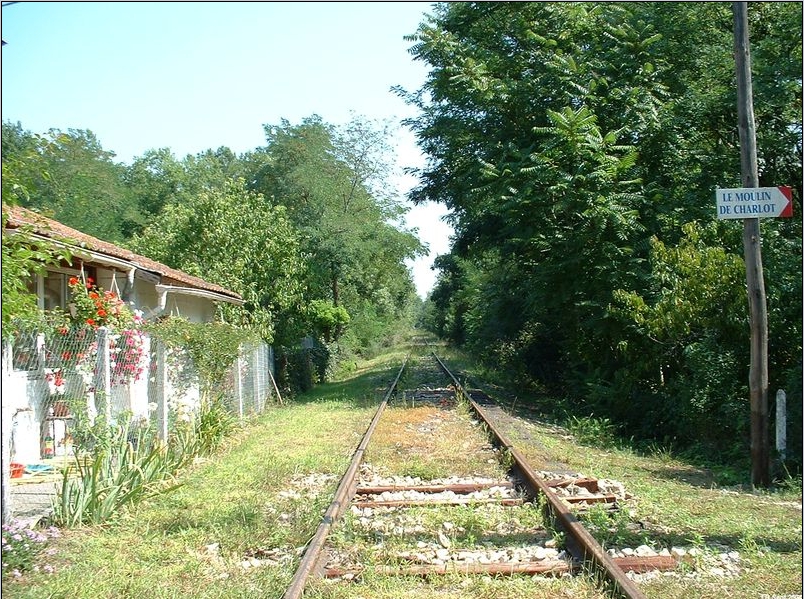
(787, 192)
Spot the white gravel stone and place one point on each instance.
(542, 553)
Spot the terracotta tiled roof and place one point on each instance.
(52, 229)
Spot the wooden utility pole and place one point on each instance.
(752, 247)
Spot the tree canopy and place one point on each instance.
(579, 146)
(306, 228)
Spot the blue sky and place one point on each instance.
(197, 75)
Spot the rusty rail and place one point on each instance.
(343, 496)
(591, 551)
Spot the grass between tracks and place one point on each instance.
(252, 497)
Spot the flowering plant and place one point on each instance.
(128, 355)
(55, 380)
(22, 546)
(93, 307)
(96, 307)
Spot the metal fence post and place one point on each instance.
(259, 356)
(781, 424)
(161, 390)
(239, 381)
(6, 477)
(269, 357)
(258, 375)
(103, 374)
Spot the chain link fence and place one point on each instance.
(96, 373)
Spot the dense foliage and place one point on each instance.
(306, 229)
(22, 258)
(578, 146)
(334, 184)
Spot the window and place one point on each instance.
(54, 290)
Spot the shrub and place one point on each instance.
(590, 430)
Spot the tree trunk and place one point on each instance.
(335, 291)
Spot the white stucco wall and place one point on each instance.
(193, 308)
(26, 395)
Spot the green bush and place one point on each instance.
(295, 371)
(590, 430)
(213, 347)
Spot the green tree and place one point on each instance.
(565, 137)
(334, 184)
(235, 238)
(69, 176)
(23, 257)
(156, 179)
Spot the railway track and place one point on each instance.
(459, 499)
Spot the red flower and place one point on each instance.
(73, 281)
(90, 322)
(101, 312)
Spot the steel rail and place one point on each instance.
(343, 496)
(592, 551)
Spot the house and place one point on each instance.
(37, 381)
(154, 288)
